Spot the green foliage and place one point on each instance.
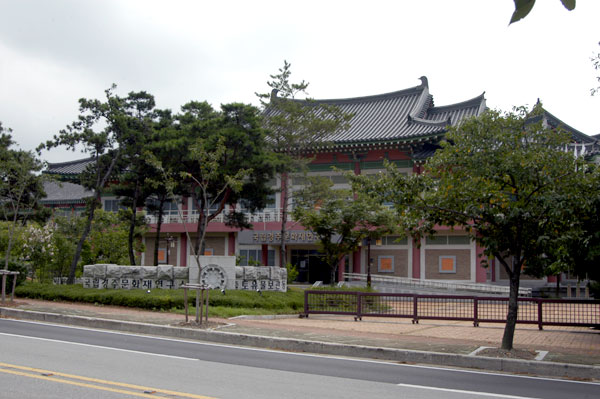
(292, 273)
(222, 160)
(294, 128)
(16, 250)
(341, 219)
(39, 249)
(233, 303)
(21, 187)
(523, 7)
(107, 240)
(21, 277)
(509, 182)
(109, 131)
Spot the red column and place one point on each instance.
(416, 260)
(265, 254)
(183, 250)
(231, 244)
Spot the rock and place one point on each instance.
(164, 272)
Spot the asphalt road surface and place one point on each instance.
(40, 360)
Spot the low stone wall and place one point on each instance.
(265, 278)
(219, 275)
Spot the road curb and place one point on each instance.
(529, 367)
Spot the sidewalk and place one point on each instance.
(571, 345)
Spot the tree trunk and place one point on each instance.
(333, 270)
(284, 213)
(158, 228)
(84, 235)
(11, 233)
(513, 306)
(132, 224)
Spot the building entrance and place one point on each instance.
(310, 266)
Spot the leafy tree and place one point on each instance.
(523, 7)
(232, 143)
(211, 184)
(579, 254)
(39, 249)
(162, 145)
(21, 186)
(294, 129)
(508, 182)
(133, 185)
(67, 231)
(104, 129)
(105, 244)
(341, 219)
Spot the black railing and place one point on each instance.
(549, 312)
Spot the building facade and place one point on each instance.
(402, 127)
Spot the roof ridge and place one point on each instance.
(70, 162)
(477, 99)
(397, 93)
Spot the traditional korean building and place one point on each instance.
(403, 127)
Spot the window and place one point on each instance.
(252, 257)
(447, 264)
(448, 240)
(392, 240)
(459, 240)
(385, 264)
(113, 205)
(212, 209)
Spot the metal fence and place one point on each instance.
(488, 289)
(549, 312)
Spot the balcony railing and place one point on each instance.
(264, 216)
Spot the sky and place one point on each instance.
(54, 52)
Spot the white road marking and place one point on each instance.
(99, 346)
(450, 369)
(493, 395)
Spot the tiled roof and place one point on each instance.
(71, 168)
(64, 193)
(399, 115)
(578, 136)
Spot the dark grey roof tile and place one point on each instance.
(63, 192)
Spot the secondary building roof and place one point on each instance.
(68, 170)
(58, 193)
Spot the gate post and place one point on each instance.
(358, 306)
(415, 319)
(540, 315)
(475, 313)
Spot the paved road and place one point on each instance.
(91, 358)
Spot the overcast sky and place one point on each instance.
(54, 52)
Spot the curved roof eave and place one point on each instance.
(478, 100)
(576, 134)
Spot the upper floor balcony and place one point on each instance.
(191, 216)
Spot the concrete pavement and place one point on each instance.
(564, 351)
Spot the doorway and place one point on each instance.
(310, 266)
